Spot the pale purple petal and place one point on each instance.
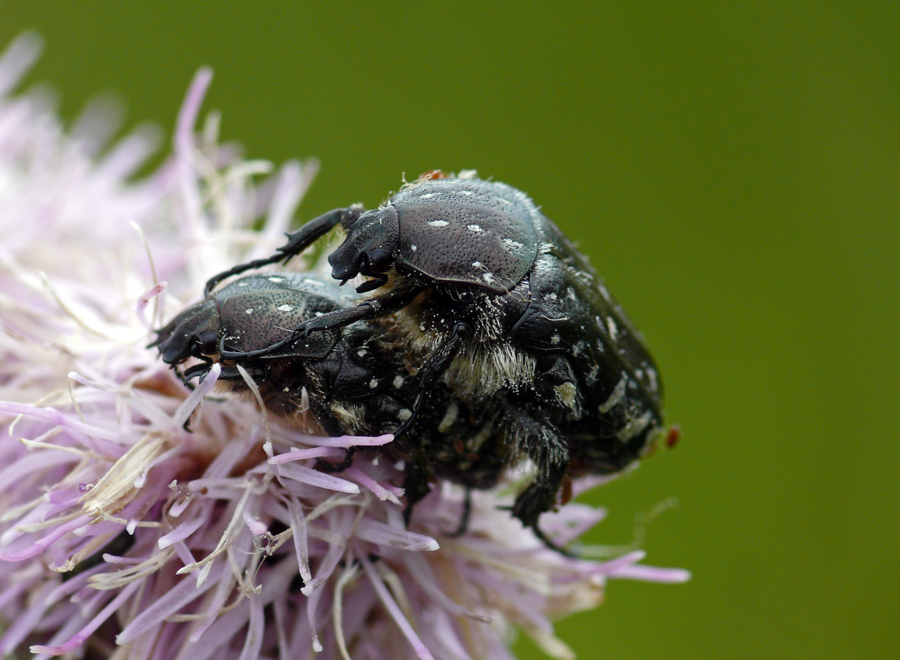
(421, 651)
(184, 138)
(305, 454)
(180, 533)
(190, 404)
(18, 58)
(22, 625)
(652, 574)
(381, 534)
(254, 640)
(84, 633)
(315, 478)
(256, 527)
(44, 542)
(58, 419)
(176, 598)
(348, 441)
(301, 545)
(381, 492)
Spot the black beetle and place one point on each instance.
(353, 381)
(499, 305)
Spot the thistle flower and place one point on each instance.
(122, 534)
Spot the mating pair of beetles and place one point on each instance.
(485, 338)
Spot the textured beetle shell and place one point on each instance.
(467, 231)
(256, 312)
(568, 315)
(262, 311)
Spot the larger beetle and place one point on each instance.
(498, 304)
(341, 382)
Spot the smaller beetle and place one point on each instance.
(493, 301)
(352, 381)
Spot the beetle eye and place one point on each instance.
(379, 261)
(206, 342)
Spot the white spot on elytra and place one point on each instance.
(634, 427)
(617, 394)
(474, 228)
(243, 283)
(275, 279)
(286, 308)
(398, 381)
(248, 311)
(438, 223)
(414, 247)
(552, 296)
(555, 339)
(404, 414)
(362, 352)
(613, 328)
(488, 277)
(428, 195)
(373, 383)
(513, 244)
(477, 264)
(651, 376)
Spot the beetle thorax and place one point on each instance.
(487, 362)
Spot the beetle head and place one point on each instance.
(370, 248)
(193, 333)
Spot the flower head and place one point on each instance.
(125, 533)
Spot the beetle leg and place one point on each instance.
(297, 242)
(240, 268)
(314, 229)
(466, 514)
(416, 486)
(370, 308)
(198, 370)
(549, 451)
(347, 461)
(433, 369)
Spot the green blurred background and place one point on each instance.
(732, 168)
